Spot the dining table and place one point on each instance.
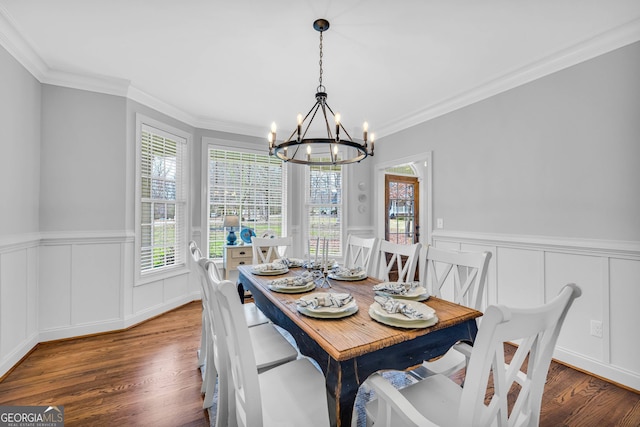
(351, 348)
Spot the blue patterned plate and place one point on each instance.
(246, 234)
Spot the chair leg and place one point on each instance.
(202, 352)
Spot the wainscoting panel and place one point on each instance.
(519, 281)
(14, 303)
(586, 272)
(18, 300)
(54, 287)
(95, 283)
(154, 298)
(148, 296)
(624, 317)
(529, 270)
(176, 287)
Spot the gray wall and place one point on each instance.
(83, 161)
(555, 157)
(20, 99)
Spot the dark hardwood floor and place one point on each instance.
(148, 375)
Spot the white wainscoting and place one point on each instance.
(65, 285)
(530, 270)
(18, 299)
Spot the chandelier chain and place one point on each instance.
(320, 87)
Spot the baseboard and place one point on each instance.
(112, 325)
(160, 309)
(19, 353)
(593, 367)
(76, 331)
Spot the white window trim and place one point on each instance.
(150, 277)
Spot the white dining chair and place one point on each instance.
(291, 394)
(404, 258)
(206, 361)
(269, 347)
(362, 252)
(439, 401)
(196, 254)
(459, 277)
(267, 249)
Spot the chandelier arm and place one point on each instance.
(295, 153)
(341, 126)
(315, 111)
(326, 121)
(315, 107)
(291, 136)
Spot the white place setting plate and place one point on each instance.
(400, 320)
(268, 270)
(293, 289)
(419, 293)
(361, 276)
(327, 312)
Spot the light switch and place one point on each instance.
(439, 223)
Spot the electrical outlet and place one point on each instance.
(596, 328)
(439, 223)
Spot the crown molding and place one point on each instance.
(101, 84)
(19, 48)
(231, 127)
(588, 49)
(23, 52)
(142, 97)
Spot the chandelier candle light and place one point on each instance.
(329, 150)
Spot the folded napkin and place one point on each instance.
(302, 280)
(348, 272)
(391, 305)
(396, 288)
(326, 300)
(270, 266)
(288, 261)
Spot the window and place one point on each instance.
(161, 218)
(250, 185)
(324, 207)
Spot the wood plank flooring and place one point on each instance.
(148, 375)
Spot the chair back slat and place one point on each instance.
(265, 250)
(462, 274)
(403, 258)
(361, 252)
(537, 330)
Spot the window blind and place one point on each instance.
(251, 185)
(324, 207)
(163, 193)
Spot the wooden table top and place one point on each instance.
(359, 334)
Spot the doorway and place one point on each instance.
(402, 209)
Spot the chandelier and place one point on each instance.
(320, 150)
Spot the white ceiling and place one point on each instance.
(239, 65)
